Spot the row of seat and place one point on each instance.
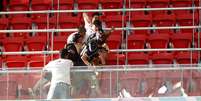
(135, 41)
(139, 58)
(35, 5)
(16, 5)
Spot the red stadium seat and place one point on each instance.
(111, 4)
(5, 4)
(19, 5)
(87, 4)
(162, 58)
(136, 41)
(187, 20)
(136, 4)
(13, 44)
(44, 23)
(158, 4)
(185, 58)
(58, 42)
(20, 23)
(38, 61)
(181, 40)
(138, 58)
(115, 21)
(196, 3)
(114, 41)
(66, 21)
(38, 5)
(3, 26)
(63, 5)
(115, 59)
(158, 40)
(181, 3)
(37, 43)
(165, 20)
(141, 20)
(16, 62)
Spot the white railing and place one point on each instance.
(123, 28)
(99, 10)
(113, 50)
(113, 68)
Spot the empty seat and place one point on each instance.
(196, 3)
(114, 41)
(87, 4)
(37, 43)
(136, 41)
(115, 59)
(58, 42)
(16, 62)
(111, 4)
(158, 4)
(38, 62)
(5, 4)
(66, 22)
(136, 3)
(3, 26)
(165, 20)
(187, 58)
(38, 5)
(44, 23)
(18, 5)
(158, 41)
(115, 21)
(63, 5)
(188, 20)
(181, 40)
(181, 3)
(21, 23)
(138, 58)
(141, 20)
(162, 58)
(12, 44)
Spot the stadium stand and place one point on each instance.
(19, 5)
(3, 26)
(138, 83)
(13, 44)
(18, 22)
